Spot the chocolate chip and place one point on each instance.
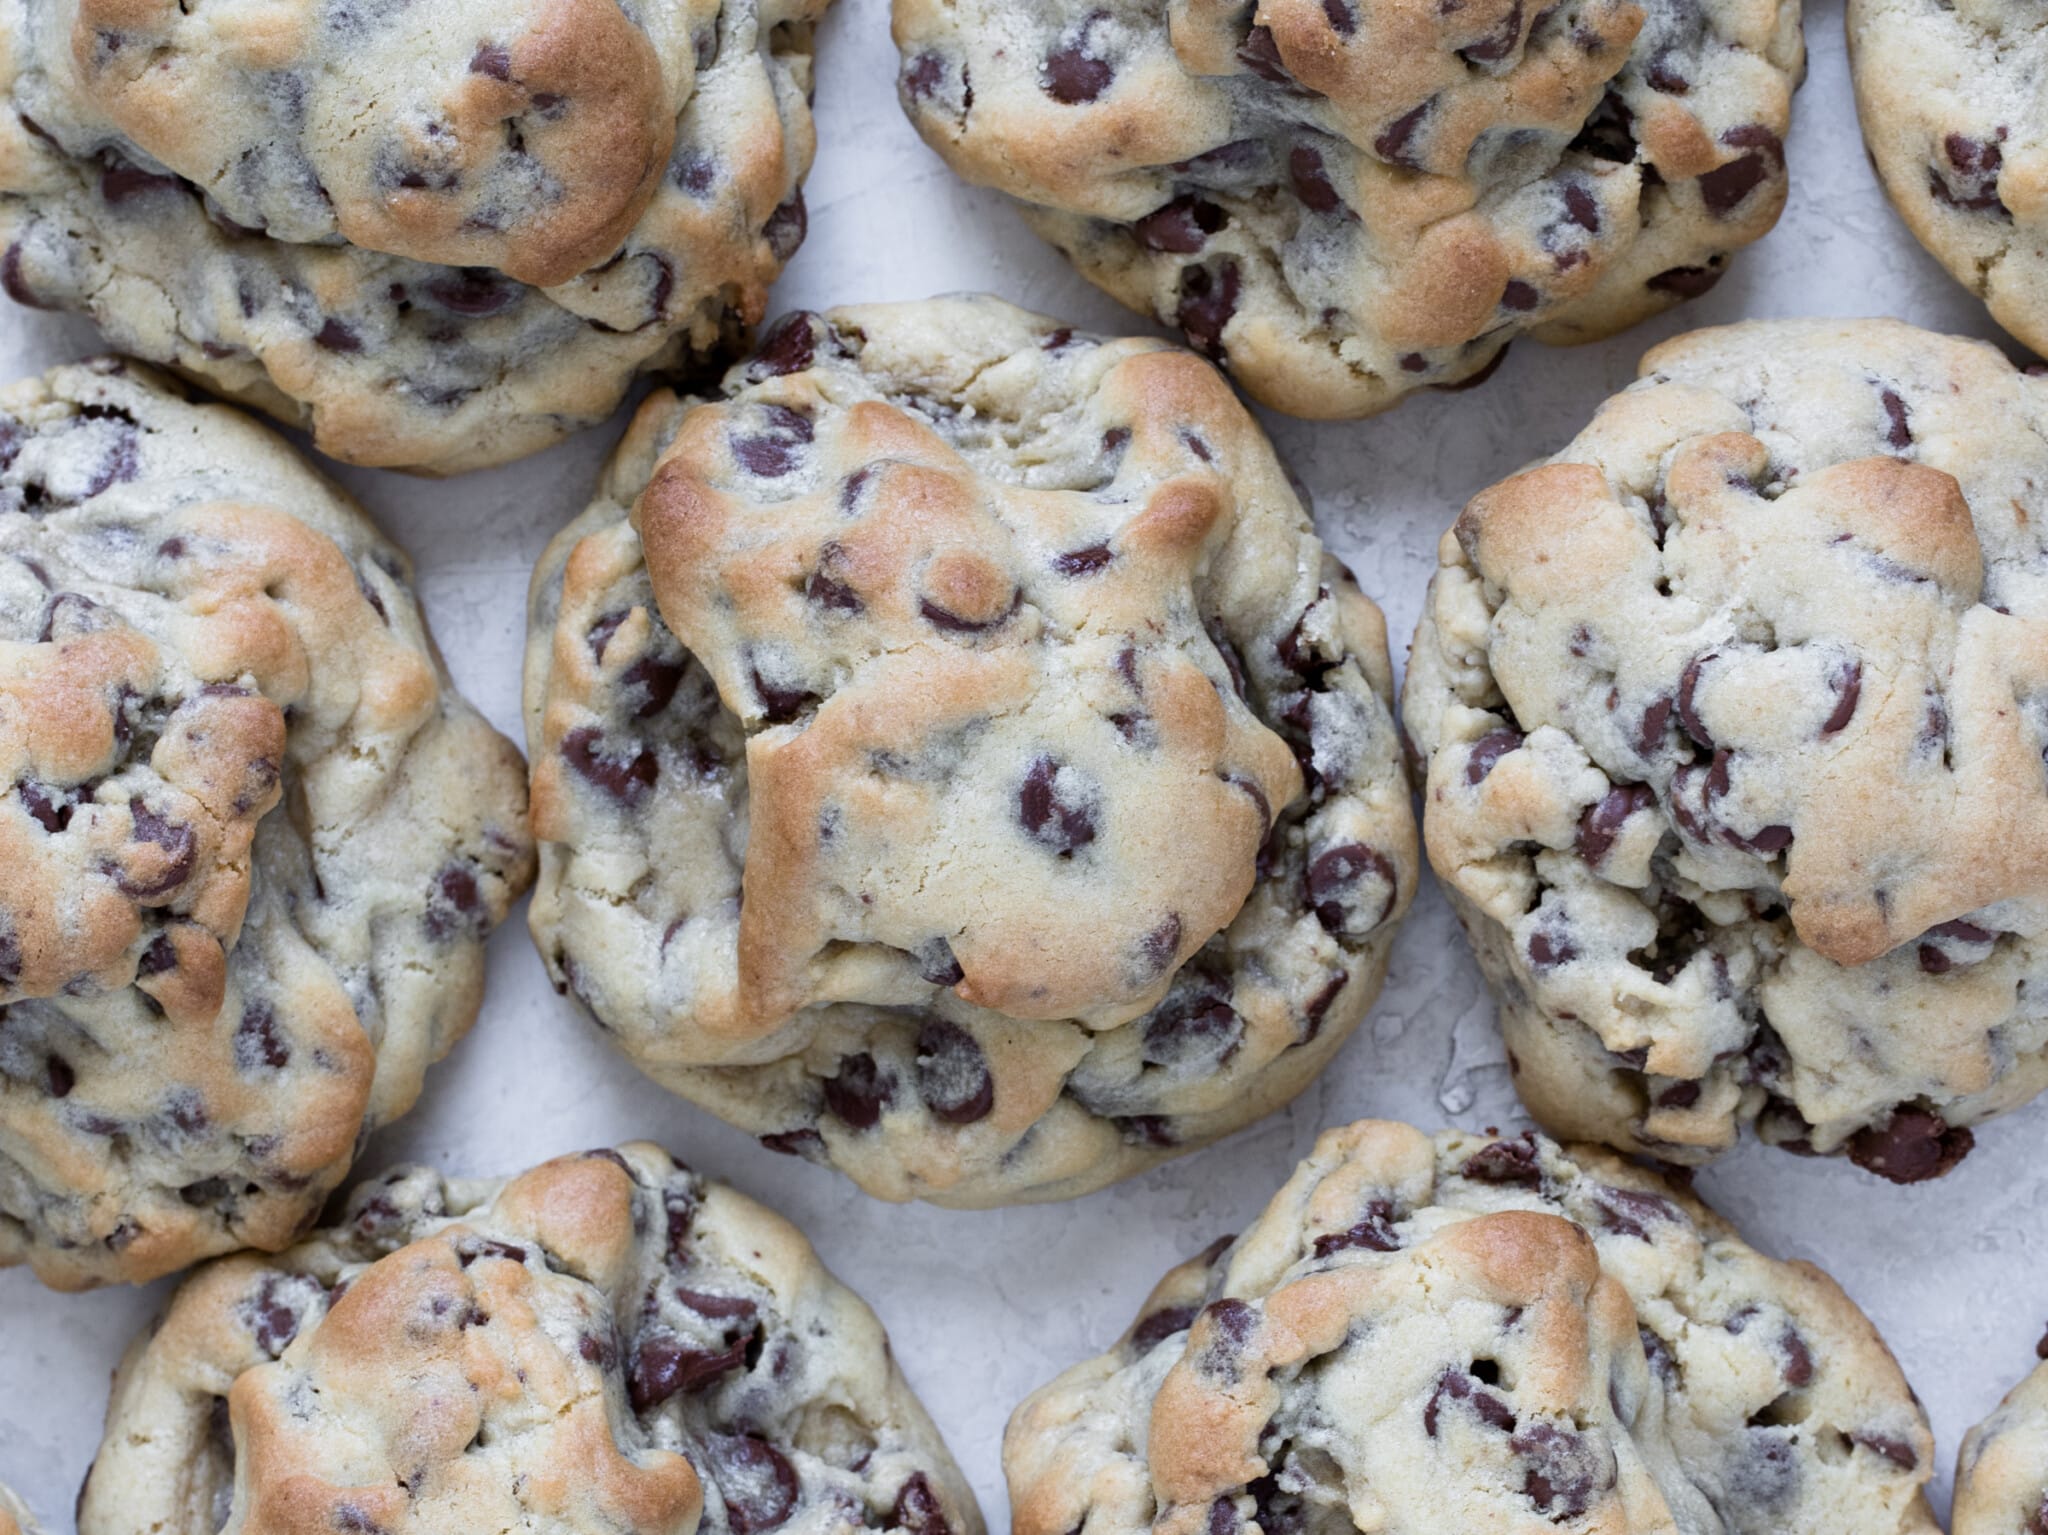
(1487, 751)
(1631, 1212)
(779, 705)
(758, 1484)
(1847, 681)
(1971, 182)
(1500, 42)
(1679, 1095)
(337, 336)
(258, 1044)
(625, 779)
(1395, 143)
(953, 1077)
(1373, 1231)
(787, 226)
(1656, 721)
(1551, 946)
(938, 965)
(1158, 948)
(121, 181)
(1182, 226)
(1688, 711)
(1260, 53)
(1911, 1146)
(1195, 1025)
(455, 904)
(469, 1249)
(1311, 182)
(1161, 1325)
(1897, 1451)
(1313, 1010)
(1900, 432)
(1332, 879)
(1603, 820)
(719, 1308)
(1056, 807)
(16, 283)
(491, 59)
(789, 347)
(1083, 562)
(953, 623)
(922, 76)
(1208, 300)
(1798, 1358)
(1581, 208)
(1519, 296)
(58, 1076)
(1665, 76)
(1073, 77)
(1512, 1162)
(917, 1508)
(775, 451)
(664, 1365)
(52, 811)
(1724, 188)
(180, 846)
(1560, 1470)
(1342, 19)
(1459, 1388)
(1685, 281)
(860, 1091)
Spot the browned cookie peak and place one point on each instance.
(254, 841)
(1735, 713)
(1345, 200)
(958, 759)
(437, 235)
(605, 1343)
(1464, 1335)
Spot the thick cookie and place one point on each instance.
(605, 1343)
(253, 839)
(2002, 1472)
(1950, 99)
(1471, 1336)
(1345, 200)
(1735, 712)
(1000, 671)
(438, 236)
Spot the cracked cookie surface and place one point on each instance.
(1000, 671)
(254, 840)
(1735, 713)
(1346, 200)
(1950, 100)
(437, 236)
(605, 1342)
(1465, 1334)
(2002, 1469)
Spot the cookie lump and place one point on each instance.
(2002, 1469)
(608, 1341)
(1465, 1333)
(438, 237)
(1000, 671)
(254, 839)
(1346, 200)
(1735, 714)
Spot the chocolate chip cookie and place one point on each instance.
(438, 236)
(608, 1342)
(957, 760)
(1345, 200)
(2002, 1472)
(1953, 118)
(253, 839)
(1735, 713)
(1466, 1334)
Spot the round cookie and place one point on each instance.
(1000, 671)
(1345, 200)
(2002, 1470)
(607, 1342)
(1734, 713)
(437, 236)
(254, 840)
(1950, 101)
(1475, 1336)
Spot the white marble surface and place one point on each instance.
(983, 1307)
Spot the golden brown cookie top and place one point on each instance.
(1736, 712)
(218, 703)
(2002, 1468)
(953, 732)
(1345, 200)
(606, 1342)
(1464, 1332)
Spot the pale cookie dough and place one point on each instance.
(1735, 714)
(1467, 1335)
(2002, 1472)
(606, 1343)
(436, 235)
(1346, 200)
(253, 840)
(957, 760)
